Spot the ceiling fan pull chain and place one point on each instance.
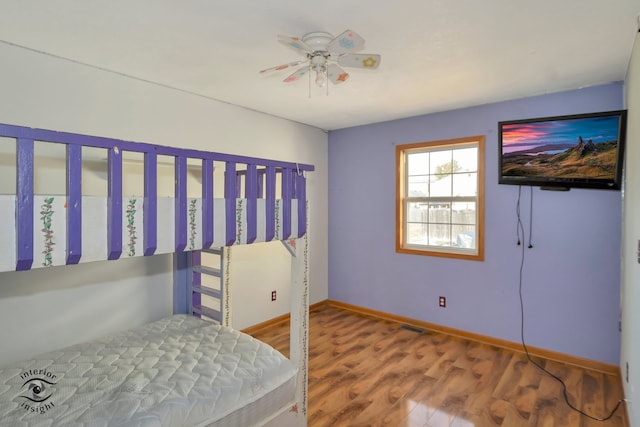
(326, 77)
(309, 80)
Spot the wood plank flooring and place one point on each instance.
(365, 371)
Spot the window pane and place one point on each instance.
(418, 186)
(440, 235)
(465, 184)
(466, 159)
(464, 236)
(440, 186)
(463, 213)
(417, 212)
(418, 164)
(440, 163)
(417, 234)
(439, 213)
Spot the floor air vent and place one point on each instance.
(412, 329)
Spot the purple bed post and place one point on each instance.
(181, 203)
(230, 196)
(150, 206)
(114, 205)
(270, 203)
(74, 203)
(287, 194)
(301, 195)
(207, 203)
(24, 204)
(251, 193)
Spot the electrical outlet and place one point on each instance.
(442, 301)
(273, 295)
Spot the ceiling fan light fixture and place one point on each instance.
(325, 55)
(319, 65)
(321, 78)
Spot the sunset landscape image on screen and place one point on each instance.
(563, 149)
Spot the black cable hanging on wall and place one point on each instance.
(520, 229)
(530, 217)
(530, 245)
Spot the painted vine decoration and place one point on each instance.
(277, 218)
(192, 224)
(238, 220)
(46, 212)
(131, 217)
(227, 285)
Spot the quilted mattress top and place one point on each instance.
(177, 371)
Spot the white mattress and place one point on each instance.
(179, 371)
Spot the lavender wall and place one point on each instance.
(571, 275)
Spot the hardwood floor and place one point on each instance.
(365, 371)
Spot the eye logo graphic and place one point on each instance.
(37, 390)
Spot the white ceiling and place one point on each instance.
(437, 55)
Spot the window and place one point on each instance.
(439, 198)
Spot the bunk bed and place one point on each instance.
(191, 368)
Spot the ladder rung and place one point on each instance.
(204, 290)
(206, 311)
(210, 271)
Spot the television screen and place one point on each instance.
(580, 150)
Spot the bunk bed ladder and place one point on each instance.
(206, 285)
(207, 300)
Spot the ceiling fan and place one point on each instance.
(325, 55)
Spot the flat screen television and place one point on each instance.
(562, 152)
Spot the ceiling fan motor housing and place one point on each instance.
(318, 61)
(318, 41)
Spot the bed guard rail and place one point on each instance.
(249, 177)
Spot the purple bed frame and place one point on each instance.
(259, 176)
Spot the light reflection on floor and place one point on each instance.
(421, 415)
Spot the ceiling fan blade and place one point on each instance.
(296, 75)
(336, 74)
(360, 60)
(295, 43)
(281, 67)
(346, 42)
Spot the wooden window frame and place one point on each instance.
(401, 152)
